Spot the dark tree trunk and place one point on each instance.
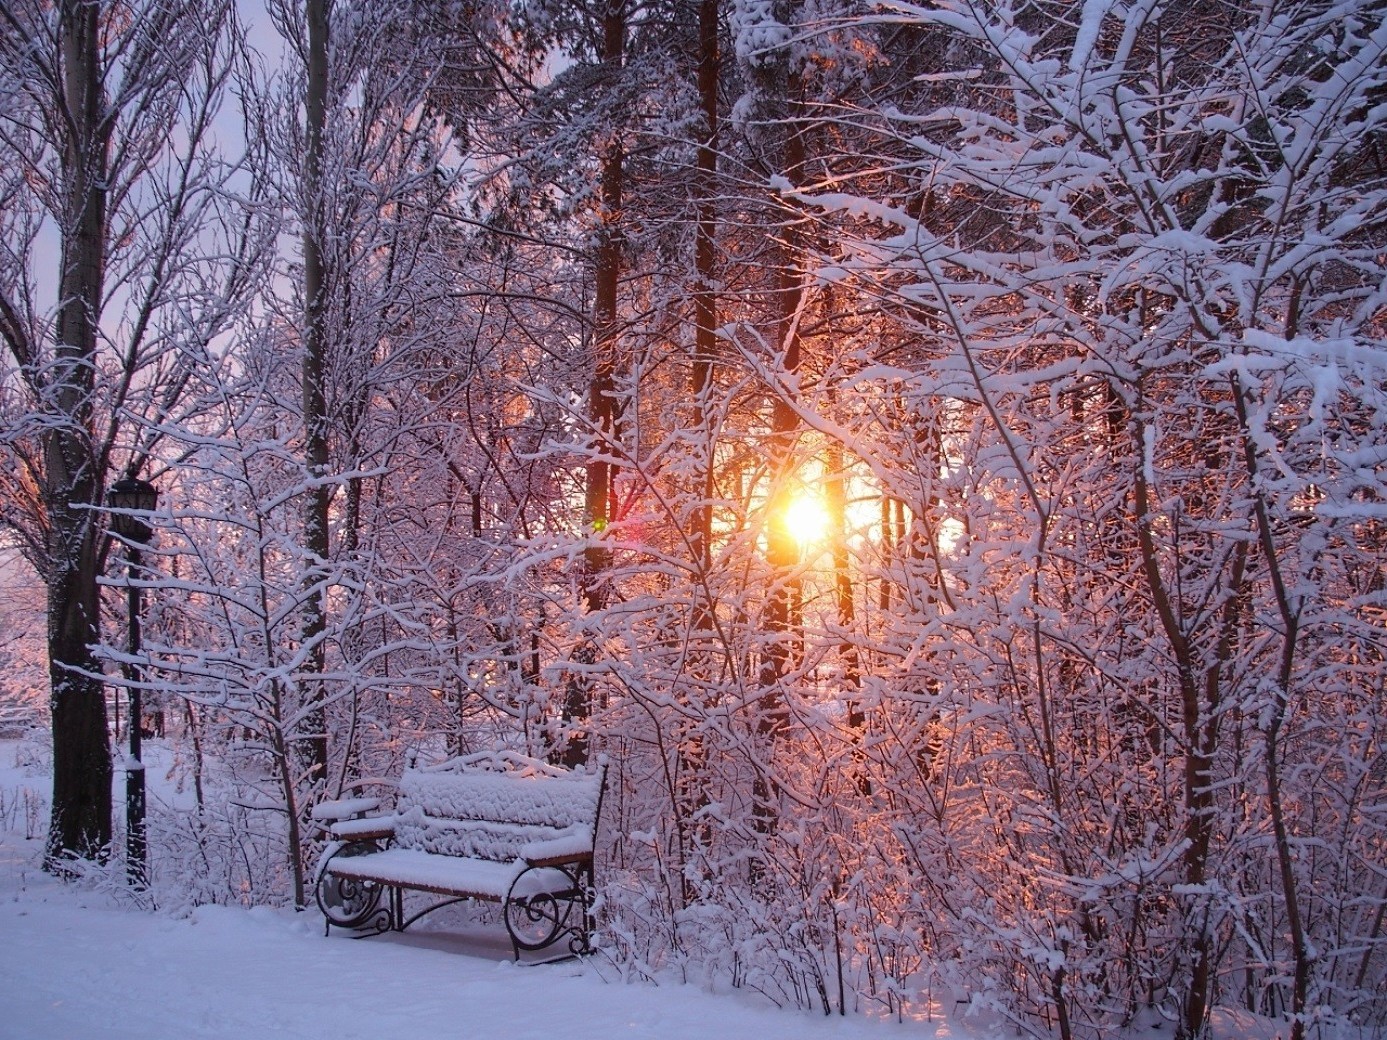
(577, 709)
(313, 743)
(81, 820)
(690, 794)
(782, 551)
(705, 274)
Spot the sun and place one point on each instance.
(806, 519)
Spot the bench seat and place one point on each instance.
(450, 875)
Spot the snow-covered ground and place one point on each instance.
(72, 967)
(76, 962)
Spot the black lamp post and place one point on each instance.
(126, 497)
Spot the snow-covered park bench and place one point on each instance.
(494, 826)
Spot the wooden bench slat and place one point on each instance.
(502, 798)
(503, 841)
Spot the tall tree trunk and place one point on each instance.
(691, 792)
(81, 816)
(705, 275)
(577, 710)
(313, 743)
(782, 550)
(836, 503)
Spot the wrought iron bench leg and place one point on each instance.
(537, 922)
(347, 902)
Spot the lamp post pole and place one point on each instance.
(125, 495)
(136, 847)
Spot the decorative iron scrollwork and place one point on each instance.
(539, 920)
(349, 902)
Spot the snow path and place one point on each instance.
(73, 966)
(81, 964)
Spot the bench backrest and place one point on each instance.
(498, 806)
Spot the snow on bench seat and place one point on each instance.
(449, 875)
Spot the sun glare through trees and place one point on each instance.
(932, 453)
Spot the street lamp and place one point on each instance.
(126, 498)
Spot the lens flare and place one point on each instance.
(806, 519)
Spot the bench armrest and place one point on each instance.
(343, 809)
(372, 828)
(568, 848)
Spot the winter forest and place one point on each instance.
(935, 453)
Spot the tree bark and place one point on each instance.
(577, 708)
(705, 273)
(313, 743)
(81, 814)
(782, 551)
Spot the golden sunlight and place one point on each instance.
(806, 519)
